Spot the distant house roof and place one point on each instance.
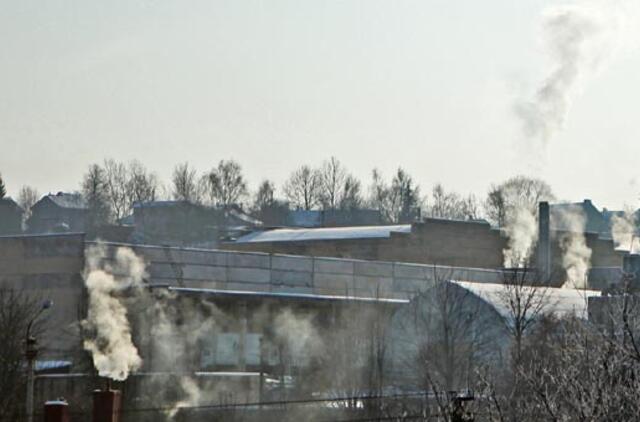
(330, 233)
(67, 200)
(595, 222)
(305, 218)
(334, 217)
(162, 204)
(10, 203)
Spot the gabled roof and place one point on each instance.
(67, 200)
(329, 233)
(9, 203)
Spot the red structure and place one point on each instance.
(56, 411)
(106, 405)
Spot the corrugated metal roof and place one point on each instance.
(283, 295)
(330, 233)
(561, 301)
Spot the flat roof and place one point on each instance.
(282, 295)
(325, 233)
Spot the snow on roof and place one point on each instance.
(283, 295)
(329, 233)
(561, 301)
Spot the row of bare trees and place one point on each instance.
(112, 187)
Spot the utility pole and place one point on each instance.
(31, 352)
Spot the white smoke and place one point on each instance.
(576, 255)
(522, 232)
(192, 396)
(623, 231)
(579, 38)
(107, 326)
(298, 336)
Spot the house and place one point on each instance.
(182, 223)
(334, 218)
(58, 213)
(10, 217)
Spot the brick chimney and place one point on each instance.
(543, 253)
(106, 405)
(56, 411)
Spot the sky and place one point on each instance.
(428, 85)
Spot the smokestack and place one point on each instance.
(544, 242)
(106, 405)
(56, 411)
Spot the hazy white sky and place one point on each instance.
(427, 85)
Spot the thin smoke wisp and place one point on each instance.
(578, 38)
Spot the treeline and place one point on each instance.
(111, 188)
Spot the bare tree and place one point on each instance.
(27, 197)
(332, 176)
(226, 184)
(94, 191)
(351, 194)
(399, 201)
(303, 188)
(116, 183)
(185, 184)
(142, 185)
(16, 310)
(525, 298)
(264, 197)
(516, 192)
(451, 205)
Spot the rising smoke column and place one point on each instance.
(623, 231)
(579, 38)
(576, 255)
(107, 328)
(522, 232)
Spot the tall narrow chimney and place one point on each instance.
(106, 405)
(544, 242)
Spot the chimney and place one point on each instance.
(544, 242)
(106, 405)
(56, 411)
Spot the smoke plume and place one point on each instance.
(623, 231)
(576, 255)
(297, 333)
(578, 39)
(522, 232)
(107, 329)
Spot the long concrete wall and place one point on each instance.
(263, 272)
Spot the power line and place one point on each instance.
(284, 403)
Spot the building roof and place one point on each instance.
(329, 233)
(9, 203)
(283, 295)
(68, 200)
(561, 301)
